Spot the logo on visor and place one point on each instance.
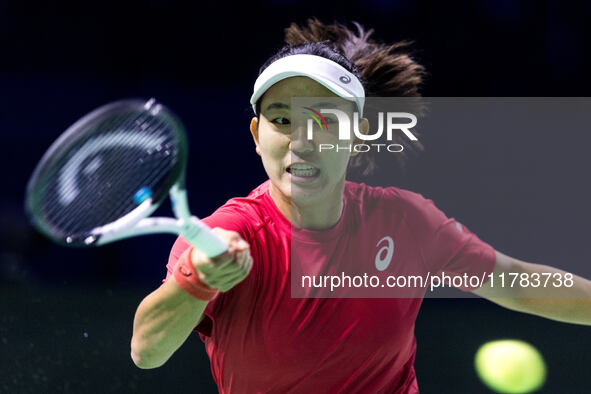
(318, 118)
(345, 79)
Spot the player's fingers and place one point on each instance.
(213, 271)
(233, 275)
(242, 246)
(221, 280)
(242, 270)
(199, 258)
(205, 264)
(223, 258)
(224, 262)
(232, 238)
(225, 271)
(208, 280)
(231, 281)
(244, 261)
(216, 273)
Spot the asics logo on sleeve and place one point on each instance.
(385, 253)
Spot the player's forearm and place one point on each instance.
(163, 321)
(565, 302)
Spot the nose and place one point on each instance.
(299, 142)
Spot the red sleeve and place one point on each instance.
(231, 216)
(446, 244)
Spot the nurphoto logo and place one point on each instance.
(393, 124)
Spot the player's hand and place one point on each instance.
(228, 269)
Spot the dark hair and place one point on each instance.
(385, 70)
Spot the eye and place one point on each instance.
(281, 121)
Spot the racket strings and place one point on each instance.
(135, 151)
(150, 165)
(86, 204)
(106, 199)
(100, 202)
(69, 165)
(138, 172)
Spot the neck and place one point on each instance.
(320, 214)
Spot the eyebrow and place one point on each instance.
(323, 105)
(277, 105)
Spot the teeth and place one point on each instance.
(303, 170)
(301, 166)
(303, 173)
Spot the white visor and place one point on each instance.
(324, 71)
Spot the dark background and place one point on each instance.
(66, 315)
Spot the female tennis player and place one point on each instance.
(260, 339)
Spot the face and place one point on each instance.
(299, 172)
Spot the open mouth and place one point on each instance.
(302, 170)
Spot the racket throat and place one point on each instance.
(180, 202)
(194, 232)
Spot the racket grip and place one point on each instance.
(200, 236)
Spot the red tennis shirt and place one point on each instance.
(260, 339)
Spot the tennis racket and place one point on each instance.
(105, 175)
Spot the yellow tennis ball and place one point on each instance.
(510, 366)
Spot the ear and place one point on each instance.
(363, 129)
(254, 130)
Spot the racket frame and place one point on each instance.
(137, 222)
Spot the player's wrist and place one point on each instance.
(187, 277)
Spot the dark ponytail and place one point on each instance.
(386, 70)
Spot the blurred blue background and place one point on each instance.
(67, 314)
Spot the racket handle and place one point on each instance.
(200, 236)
